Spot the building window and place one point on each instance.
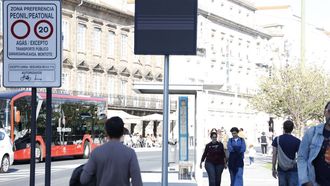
(81, 38)
(81, 82)
(97, 88)
(136, 101)
(65, 81)
(111, 44)
(66, 34)
(97, 41)
(111, 89)
(123, 53)
(123, 91)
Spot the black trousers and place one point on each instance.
(264, 148)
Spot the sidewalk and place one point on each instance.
(149, 149)
(255, 175)
(154, 179)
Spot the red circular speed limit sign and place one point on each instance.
(21, 26)
(43, 29)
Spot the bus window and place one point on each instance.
(75, 121)
(22, 129)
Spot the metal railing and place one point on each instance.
(117, 100)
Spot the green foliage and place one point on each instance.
(294, 91)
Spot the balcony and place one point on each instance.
(138, 103)
(118, 101)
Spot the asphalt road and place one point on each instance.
(19, 174)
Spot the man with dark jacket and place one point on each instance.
(236, 148)
(112, 163)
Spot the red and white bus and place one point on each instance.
(77, 123)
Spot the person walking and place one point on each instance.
(236, 148)
(314, 154)
(264, 143)
(285, 148)
(215, 160)
(242, 134)
(112, 163)
(252, 153)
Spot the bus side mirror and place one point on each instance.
(17, 116)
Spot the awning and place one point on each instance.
(127, 118)
(158, 117)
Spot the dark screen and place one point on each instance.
(165, 27)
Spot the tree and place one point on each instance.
(295, 92)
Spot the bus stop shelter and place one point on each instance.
(199, 91)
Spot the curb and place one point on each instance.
(147, 149)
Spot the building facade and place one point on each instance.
(99, 61)
(232, 52)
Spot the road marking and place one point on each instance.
(24, 173)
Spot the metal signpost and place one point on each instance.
(165, 27)
(32, 58)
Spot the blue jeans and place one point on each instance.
(289, 178)
(236, 179)
(214, 173)
(251, 160)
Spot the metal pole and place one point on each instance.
(165, 123)
(48, 135)
(33, 136)
(302, 38)
(195, 137)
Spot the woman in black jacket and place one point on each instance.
(215, 160)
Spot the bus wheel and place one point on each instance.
(87, 150)
(5, 164)
(38, 153)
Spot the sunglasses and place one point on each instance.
(234, 133)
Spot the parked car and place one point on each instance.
(6, 152)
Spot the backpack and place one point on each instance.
(283, 161)
(75, 177)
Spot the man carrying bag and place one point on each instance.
(285, 148)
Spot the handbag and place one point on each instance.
(283, 161)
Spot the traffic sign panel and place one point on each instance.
(32, 43)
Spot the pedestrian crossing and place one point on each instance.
(15, 174)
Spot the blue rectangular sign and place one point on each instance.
(183, 129)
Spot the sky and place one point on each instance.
(317, 12)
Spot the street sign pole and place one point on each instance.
(33, 136)
(165, 28)
(32, 56)
(165, 122)
(48, 135)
